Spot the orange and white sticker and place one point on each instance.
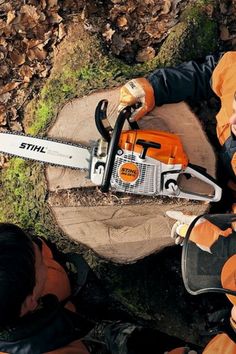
(128, 172)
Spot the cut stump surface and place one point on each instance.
(120, 227)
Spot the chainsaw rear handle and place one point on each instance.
(103, 124)
(124, 115)
(199, 172)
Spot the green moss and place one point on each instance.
(23, 195)
(192, 38)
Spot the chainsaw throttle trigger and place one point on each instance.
(102, 123)
(146, 145)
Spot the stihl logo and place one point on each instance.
(32, 147)
(132, 85)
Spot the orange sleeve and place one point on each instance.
(223, 77)
(205, 233)
(220, 344)
(76, 347)
(224, 84)
(57, 281)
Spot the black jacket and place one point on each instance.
(187, 81)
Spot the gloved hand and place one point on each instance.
(140, 91)
(180, 227)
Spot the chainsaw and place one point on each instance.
(145, 162)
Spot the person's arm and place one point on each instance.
(188, 81)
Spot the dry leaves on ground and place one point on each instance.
(29, 31)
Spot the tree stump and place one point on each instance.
(120, 227)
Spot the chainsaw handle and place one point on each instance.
(198, 172)
(113, 146)
(103, 124)
(101, 121)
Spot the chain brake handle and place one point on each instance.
(112, 136)
(102, 123)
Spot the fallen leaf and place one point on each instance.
(55, 17)
(3, 116)
(122, 21)
(36, 53)
(26, 72)
(108, 33)
(61, 31)
(149, 2)
(8, 87)
(2, 24)
(209, 9)
(17, 57)
(10, 16)
(15, 126)
(223, 8)
(224, 33)
(4, 71)
(52, 3)
(166, 7)
(145, 54)
(13, 113)
(5, 97)
(43, 4)
(30, 16)
(118, 43)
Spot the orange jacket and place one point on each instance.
(57, 283)
(224, 85)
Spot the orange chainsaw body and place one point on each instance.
(171, 149)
